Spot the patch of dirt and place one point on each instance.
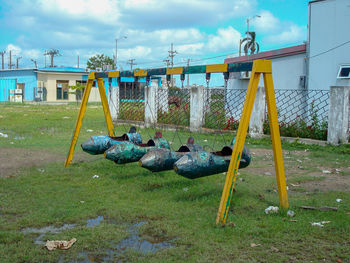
(13, 159)
(332, 182)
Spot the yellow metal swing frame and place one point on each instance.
(260, 67)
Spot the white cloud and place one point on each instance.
(225, 39)
(266, 23)
(32, 53)
(15, 50)
(292, 34)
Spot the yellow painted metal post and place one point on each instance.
(238, 147)
(276, 140)
(259, 67)
(80, 119)
(101, 88)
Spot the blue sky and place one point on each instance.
(198, 28)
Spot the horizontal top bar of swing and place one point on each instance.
(214, 68)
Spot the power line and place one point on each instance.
(329, 50)
(172, 54)
(52, 53)
(131, 63)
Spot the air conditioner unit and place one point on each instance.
(98, 69)
(245, 75)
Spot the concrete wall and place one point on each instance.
(28, 77)
(50, 83)
(328, 28)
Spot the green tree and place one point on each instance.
(99, 61)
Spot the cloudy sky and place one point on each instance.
(205, 31)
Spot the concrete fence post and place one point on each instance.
(151, 103)
(113, 101)
(338, 116)
(256, 123)
(163, 97)
(197, 107)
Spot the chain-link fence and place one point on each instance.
(223, 108)
(132, 102)
(302, 113)
(173, 106)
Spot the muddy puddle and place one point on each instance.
(41, 232)
(135, 241)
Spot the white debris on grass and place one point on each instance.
(205, 140)
(66, 117)
(185, 189)
(89, 130)
(4, 135)
(12, 143)
(95, 176)
(290, 213)
(338, 200)
(326, 172)
(271, 210)
(319, 224)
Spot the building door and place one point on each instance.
(62, 90)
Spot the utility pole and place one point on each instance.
(172, 54)
(2, 59)
(35, 64)
(17, 61)
(188, 75)
(52, 53)
(167, 62)
(131, 62)
(10, 61)
(116, 50)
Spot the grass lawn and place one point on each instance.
(160, 217)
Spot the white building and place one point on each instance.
(328, 43)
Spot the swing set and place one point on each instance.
(257, 68)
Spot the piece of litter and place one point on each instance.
(205, 140)
(12, 143)
(293, 220)
(326, 172)
(95, 176)
(82, 202)
(287, 187)
(295, 185)
(274, 249)
(89, 130)
(321, 208)
(59, 244)
(267, 173)
(337, 170)
(4, 135)
(299, 161)
(66, 117)
(185, 189)
(41, 170)
(320, 224)
(271, 209)
(254, 245)
(338, 200)
(290, 213)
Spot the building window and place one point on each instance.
(344, 72)
(62, 90)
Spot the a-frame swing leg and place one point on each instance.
(82, 111)
(259, 67)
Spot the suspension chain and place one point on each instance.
(207, 78)
(182, 77)
(226, 76)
